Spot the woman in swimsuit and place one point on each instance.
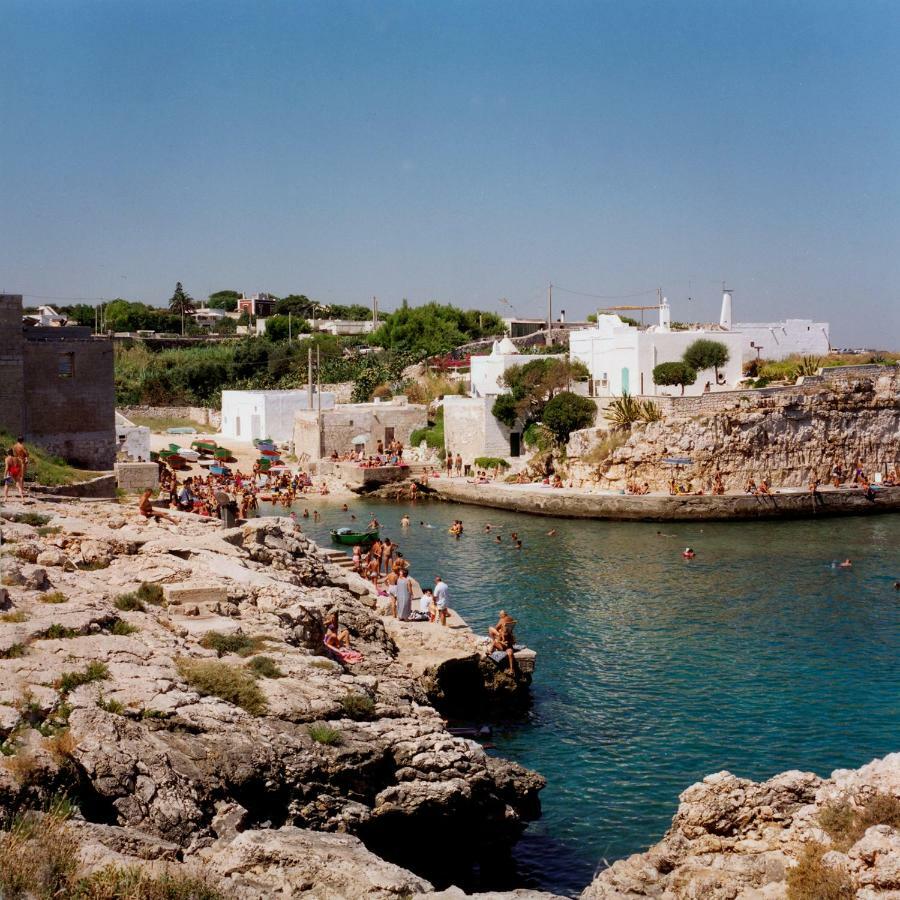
(13, 474)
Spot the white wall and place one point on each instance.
(621, 357)
(136, 444)
(247, 415)
(781, 339)
(471, 430)
(488, 370)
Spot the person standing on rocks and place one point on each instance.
(449, 463)
(441, 599)
(20, 452)
(12, 474)
(401, 592)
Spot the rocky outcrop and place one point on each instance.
(796, 835)
(172, 680)
(786, 435)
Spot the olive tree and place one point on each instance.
(706, 354)
(674, 373)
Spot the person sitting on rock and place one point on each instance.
(503, 638)
(335, 636)
(148, 511)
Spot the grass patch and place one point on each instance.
(123, 628)
(234, 684)
(811, 879)
(111, 706)
(58, 632)
(133, 883)
(129, 603)
(322, 663)
(93, 566)
(54, 597)
(45, 468)
(49, 530)
(845, 824)
(30, 518)
(607, 445)
(358, 706)
(93, 671)
(265, 667)
(324, 734)
(18, 615)
(162, 425)
(154, 714)
(15, 651)
(151, 593)
(232, 643)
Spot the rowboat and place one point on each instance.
(350, 537)
(181, 430)
(270, 453)
(204, 446)
(220, 470)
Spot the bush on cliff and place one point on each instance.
(812, 879)
(568, 412)
(234, 684)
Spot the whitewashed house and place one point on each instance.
(620, 358)
(250, 415)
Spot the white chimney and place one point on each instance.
(665, 315)
(562, 315)
(725, 318)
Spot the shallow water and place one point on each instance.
(757, 656)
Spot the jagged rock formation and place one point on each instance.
(787, 435)
(796, 836)
(276, 780)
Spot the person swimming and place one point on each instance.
(846, 564)
(688, 553)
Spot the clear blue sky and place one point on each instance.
(459, 151)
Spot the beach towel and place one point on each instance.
(344, 654)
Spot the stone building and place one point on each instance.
(57, 388)
(471, 429)
(353, 425)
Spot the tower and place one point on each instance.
(725, 318)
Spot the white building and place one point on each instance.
(471, 430)
(209, 317)
(777, 340)
(133, 440)
(620, 358)
(47, 317)
(249, 415)
(487, 371)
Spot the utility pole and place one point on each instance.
(309, 383)
(374, 313)
(550, 314)
(289, 327)
(318, 382)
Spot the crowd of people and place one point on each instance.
(390, 454)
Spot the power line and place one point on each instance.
(605, 296)
(46, 297)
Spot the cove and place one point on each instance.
(757, 657)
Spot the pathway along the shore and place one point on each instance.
(576, 504)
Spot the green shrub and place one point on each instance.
(94, 671)
(38, 858)
(811, 879)
(93, 566)
(490, 462)
(54, 597)
(358, 706)
(234, 684)
(568, 412)
(537, 436)
(14, 651)
(650, 411)
(623, 412)
(30, 518)
(676, 373)
(232, 643)
(48, 530)
(151, 593)
(433, 435)
(123, 628)
(265, 667)
(324, 734)
(129, 603)
(111, 706)
(58, 632)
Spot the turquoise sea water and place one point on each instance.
(757, 656)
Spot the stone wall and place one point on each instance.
(12, 384)
(102, 487)
(202, 415)
(135, 476)
(70, 395)
(786, 435)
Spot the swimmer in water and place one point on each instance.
(305, 513)
(687, 553)
(345, 508)
(551, 532)
(518, 545)
(498, 539)
(426, 525)
(846, 564)
(487, 528)
(404, 522)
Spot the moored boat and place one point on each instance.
(350, 537)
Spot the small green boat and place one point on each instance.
(350, 537)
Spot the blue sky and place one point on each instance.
(459, 151)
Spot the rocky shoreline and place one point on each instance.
(169, 680)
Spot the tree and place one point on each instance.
(226, 300)
(532, 385)
(181, 303)
(504, 410)
(297, 305)
(568, 412)
(706, 354)
(674, 373)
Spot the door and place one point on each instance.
(625, 385)
(515, 443)
(388, 434)
(254, 428)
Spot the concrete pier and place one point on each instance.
(577, 504)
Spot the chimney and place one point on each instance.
(562, 315)
(725, 318)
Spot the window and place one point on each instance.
(66, 365)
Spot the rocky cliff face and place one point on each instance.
(796, 836)
(787, 436)
(170, 680)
